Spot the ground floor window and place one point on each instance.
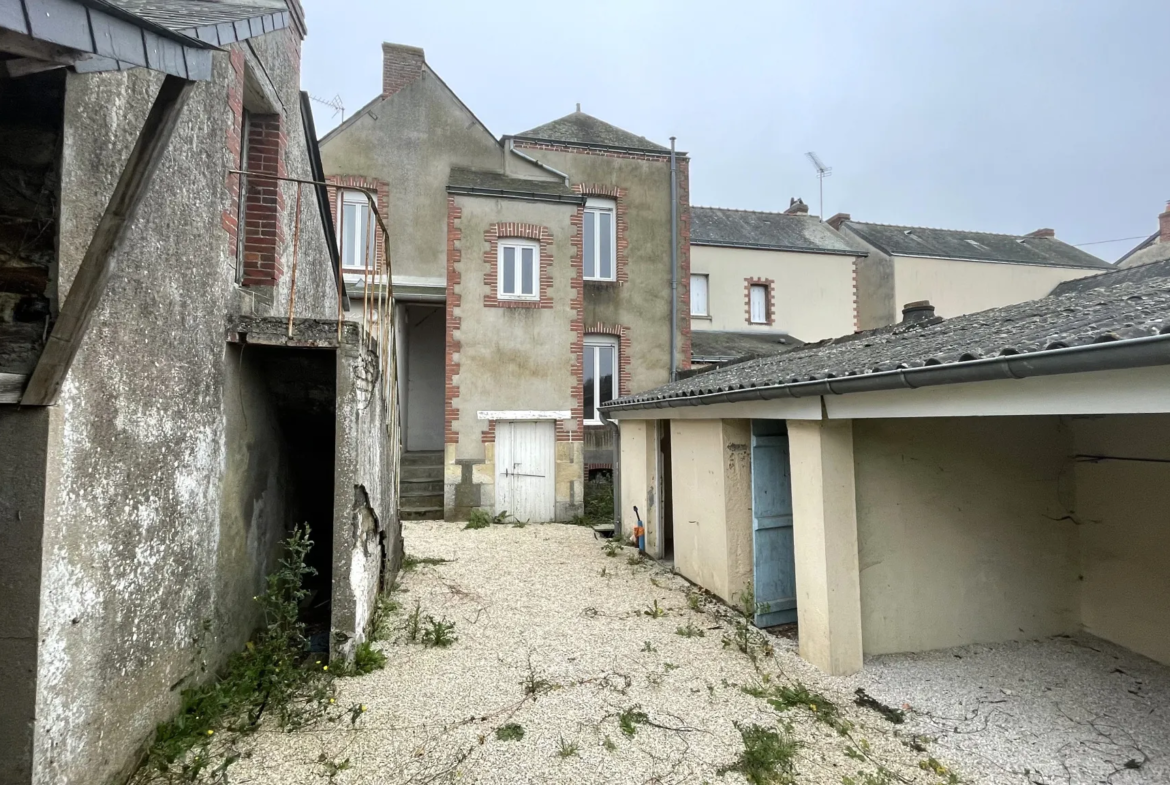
(601, 373)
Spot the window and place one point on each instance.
(357, 231)
(759, 303)
(699, 295)
(601, 373)
(600, 239)
(519, 270)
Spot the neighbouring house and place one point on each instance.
(176, 389)
(533, 276)
(993, 476)
(757, 277)
(957, 271)
(1154, 248)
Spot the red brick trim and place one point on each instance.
(235, 130)
(684, 259)
(511, 230)
(856, 317)
(769, 302)
(557, 147)
(622, 251)
(382, 199)
(622, 333)
(577, 326)
(264, 201)
(454, 256)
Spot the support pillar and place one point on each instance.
(828, 580)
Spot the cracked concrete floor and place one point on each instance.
(545, 605)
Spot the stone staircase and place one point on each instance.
(421, 486)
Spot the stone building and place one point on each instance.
(175, 389)
(534, 273)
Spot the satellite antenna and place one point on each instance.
(333, 103)
(822, 172)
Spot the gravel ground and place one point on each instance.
(544, 605)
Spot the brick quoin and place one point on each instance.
(769, 301)
(622, 333)
(382, 199)
(511, 230)
(264, 202)
(577, 328)
(622, 255)
(454, 256)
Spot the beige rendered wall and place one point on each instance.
(963, 531)
(956, 288)
(1121, 506)
(639, 456)
(814, 292)
(711, 479)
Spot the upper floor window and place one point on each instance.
(357, 231)
(601, 373)
(600, 239)
(519, 270)
(759, 303)
(699, 296)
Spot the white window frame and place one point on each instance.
(594, 342)
(763, 316)
(706, 312)
(597, 206)
(518, 245)
(369, 260)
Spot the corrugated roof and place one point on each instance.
(974, 246)
(722, 346)
(776, 231)
(1126, 311)
(494, 183)
(580, 128)
(1137, 274)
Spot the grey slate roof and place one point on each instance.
(1117, 313)
(975, 246)
(580, 128)
(1138, 274)
(775, 231)
(469, 181)
(187, 15)
(722, 346)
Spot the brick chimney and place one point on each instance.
(796, 207)
(1164, 225)
(838, 219)
(401, 65)
(917, 311)
(1048, 234)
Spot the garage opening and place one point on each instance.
(294, 411)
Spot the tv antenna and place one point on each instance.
(333, 103)
(822, 172)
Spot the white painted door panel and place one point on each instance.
(526, 469)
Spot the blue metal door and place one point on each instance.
(774, 573)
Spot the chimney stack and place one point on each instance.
(796, 206)
(401, 65)
(917, 311)
(1164, 225)
(838, 219)
(1046, 234)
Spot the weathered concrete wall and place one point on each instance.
(133, 525)
(1121, 503)
(813, 293)
(963, 531)
(24, 437)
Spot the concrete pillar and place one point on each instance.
(824, 505)
(639, 453)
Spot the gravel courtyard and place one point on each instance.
(582, 651)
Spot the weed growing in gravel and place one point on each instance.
(609, 745)
(567, 749)
(823, 709)
(438, 633)
(932, 765)
(603, 573)
(630, 719)
(333, 767)
(866, 701)
(694, 601)
(648, 647)
(413, 626)
(380, 621)
(612, 548)
(411, 563)
(655, 611)
(478, 520)
(768, 757)
(366, 659)
(635, 559)
(690, 631)
(510, 732)
(879, 777)
(533, 684)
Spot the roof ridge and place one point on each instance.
(753, 212)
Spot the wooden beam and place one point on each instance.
(23, 66)
(11, 385)
(90, 283)
(27, 46)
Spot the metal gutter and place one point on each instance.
(1111, 356)
(512, 149)
(464, 190)
(768, 247)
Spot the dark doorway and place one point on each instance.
(665, 493)
(425, 376)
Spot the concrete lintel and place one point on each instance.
(828, 578)
(306, 333)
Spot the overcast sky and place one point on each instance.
(1001, 116)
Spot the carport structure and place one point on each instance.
(1001, 475)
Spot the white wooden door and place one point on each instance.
(526, 469)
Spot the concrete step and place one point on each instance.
(428, 500)
(420, 513)
(422, 474)
(414, 487)
(429, 458)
